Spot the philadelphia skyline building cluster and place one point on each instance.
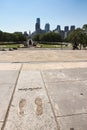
(38, 29)
(64, 33)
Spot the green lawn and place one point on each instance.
(50, 46)
(38, 46)
(10, 46)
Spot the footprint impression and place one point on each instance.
(22, 105)
(39, 110)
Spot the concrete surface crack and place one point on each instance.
(7, 113)
(58, 126)
(77, 114)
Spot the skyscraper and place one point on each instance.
(72, 28)
(66, 28)
(66, 31)
(58, 27)
(47, 27)
(38, 20)
(37, 25)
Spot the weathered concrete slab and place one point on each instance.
(8, 76)
(43, 55)
(78, 122)
(67, 89)
(30, 109)
(76, 74)
(68, 97)
(53, 76)
(30, 76)
(9, 66)
(9, 72)
(74, 65)
(42, 66)
(54, 65)
(5, 96)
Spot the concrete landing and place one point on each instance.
(43, 96)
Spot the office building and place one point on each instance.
(37, 25)
(66, 28)
(72, 28)
(58, 28)
(47, 27)
(38, 20)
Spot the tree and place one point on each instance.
(18, 37)
(7, 37)
(1, 35)
(12, 37)
(36, 37)
(48, 37)
(85, 31)
(51, 37)
(77, 37)
(85, 27)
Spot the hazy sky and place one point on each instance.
(20, 15)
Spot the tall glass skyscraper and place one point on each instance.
(66, 28)
(58, 28)
(47, 27)
(37, 25)
(72, 28)
(38, 20)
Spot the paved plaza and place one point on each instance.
(43, 89)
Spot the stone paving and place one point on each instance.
(45, 55)
(43, 91)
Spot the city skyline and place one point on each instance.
(21, 15)
(47, 26)
(38, 30)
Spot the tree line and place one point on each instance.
(12, 37)
(48, 37)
